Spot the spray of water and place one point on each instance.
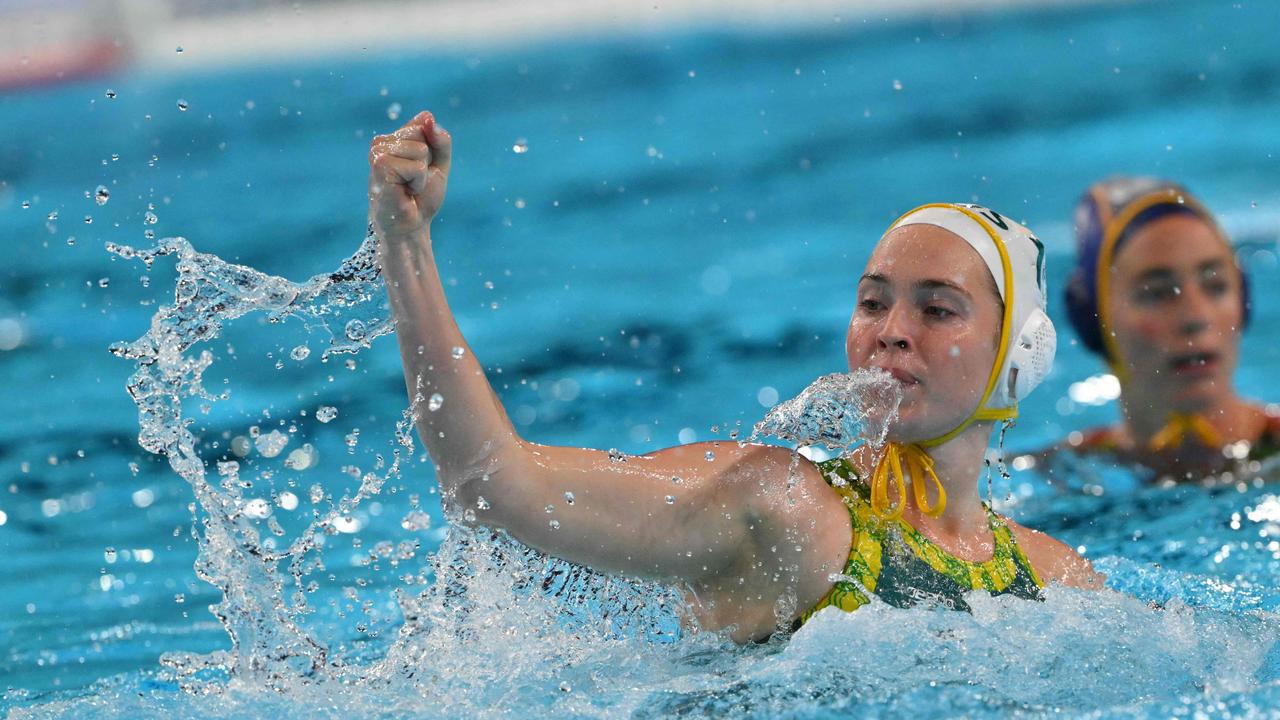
(268, 645)
(482, 590)
(838, 411)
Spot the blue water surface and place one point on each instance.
(647, 240)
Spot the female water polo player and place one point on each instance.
(951, 305)
(1158, 294)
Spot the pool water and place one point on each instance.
(647, 241)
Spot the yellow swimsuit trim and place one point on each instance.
(866, 549)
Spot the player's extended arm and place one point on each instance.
(687, 513)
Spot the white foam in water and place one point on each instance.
(493, 629)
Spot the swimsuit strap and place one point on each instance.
(1003, 533)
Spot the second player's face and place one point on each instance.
(1176, 310)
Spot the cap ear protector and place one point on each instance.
(1106, 216)
(1031, 355)
(1028, 340)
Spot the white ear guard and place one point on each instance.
(1030, 359)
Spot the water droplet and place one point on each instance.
(270, 444)
(325, 413)
(482, 504)
(710, 456)
(355, 330)
(435, 402)
(550, 509)
(520, 147)
(182, 105)
(109, 555)
(316, 494)
(568, 498)
(554, 524)
(300, 353)
(393, 111)
(178, 50)
(671, 499)
(179, 598)
(616, 456)
(287, 501)
(897, 84)
(103, 282)
(88, 219)
(347, 524)
(457, 352)
(52, 216)
(101, 195)
(257, 508)
(26, 204)
(416, 520)
(469, 515)
(111, 94)
(71, 240)
(149, 218)
(675, 480)
(564, 687)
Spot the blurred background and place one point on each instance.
(655, 218)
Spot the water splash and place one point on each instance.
(268, 644)
(1076, 654)
(838, 411)
(476, 594)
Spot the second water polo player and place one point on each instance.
(1158, 294)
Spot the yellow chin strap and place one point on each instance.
(914, 458)
(1182, 424)
(919, 465)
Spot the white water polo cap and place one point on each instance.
(1015, 258)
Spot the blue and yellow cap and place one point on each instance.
(1106, 216)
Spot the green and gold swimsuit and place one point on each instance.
(891, 559)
